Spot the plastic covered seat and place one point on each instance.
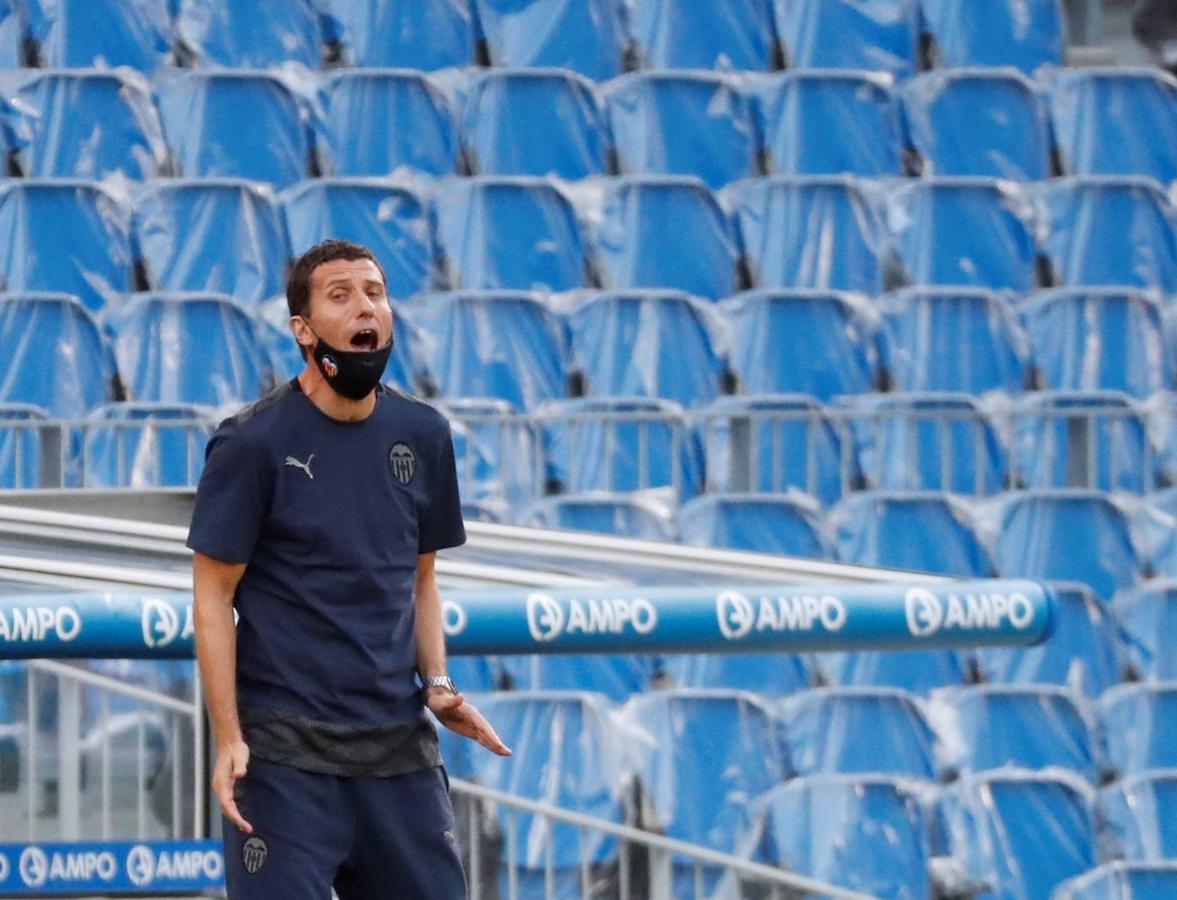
(1026, 35)
(619, 514)
(964, 231)
(107, 33)
(219, 235)
(617, 677)
(386, 121)
(1158, 535)
(767, 674)
(386, 217)
(254, 35)
(683, 123)
(987, 122)
(817, 122)
(813, 233)
(13, 33)
(1122, 881)
(849, 34)
(586, 36)
(917, 671)
(1139, 815)
(786, 524)
(648, 344)
(1116, 121)
(427, 34)
(496, 452)
(22, 434)
(1110, 230)
(731, 35)
(1148, 616)
(66, 236)
(144, 445)
(502, 135)
(1140, 726)
(517, 233)
(236, 124)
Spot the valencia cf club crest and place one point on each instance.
(254, 854)
(330, 367)
(403, 462)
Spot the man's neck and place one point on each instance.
(331, 404)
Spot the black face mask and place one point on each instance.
(351, 373)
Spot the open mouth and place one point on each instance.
(364, 340)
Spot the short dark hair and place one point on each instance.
(298, 286)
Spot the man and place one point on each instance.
(317, 519)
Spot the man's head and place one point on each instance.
(336, 292)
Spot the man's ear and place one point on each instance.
(302, 332)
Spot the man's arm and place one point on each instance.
(452, 710)
(214, 586)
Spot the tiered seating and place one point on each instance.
(1148, 615)
(1027, 35)
(108, 33)
(625, 515)
(846, 34)
(1140, 816)
(379, 33)
(252, 35)
(1140, 726)
(1121, 881)
(588, 37)
(725, 34)
(766, 523)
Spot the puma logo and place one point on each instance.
(305, 466)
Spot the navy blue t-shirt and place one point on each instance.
(329, 517)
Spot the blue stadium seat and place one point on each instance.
(107, 33)
(502, 135)
(1026, 35)
(1080, 655)
(646, 223)
(619, 514)
(773, 331)
(475, 674)
(769, 443)
(1140, 726)
(1139, 816)
(867, 833)
(1148, 617)
(383, 121)
(1068, 535)
(1020, 833)
(504, 344)
(427, 34)
(388, 218)
(620, 444)
(917, 671)
(61, 235)
(1116, 121)
(54, 333)
(615, 676)
(496, 454)
(730, 35)
(1157, 525)
(829, 123)
(21, 437)
(818, 233)
(767, 674)
(256, 35)
(824, 730)
(964, 230)
(925, 330)
(785, 524)
(236, 124)
(1110, 230)
(988, 122)
(927, 441)
(683, 123)
(1122, 881)
(144, 445)
(586, 36)
(13, 31)
(90, 124)
(517, 233)
(218, 235)
(648, 344)
(189, 348)
(849, 34)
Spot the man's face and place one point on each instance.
(348, 307)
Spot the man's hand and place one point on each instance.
(232, 761)
(456, 714)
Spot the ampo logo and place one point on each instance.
(141, 865)
(545, 617)
(453, 618)
(161, 624)
(5, 868)
(34, 866)
(735, 613)
(925, 612)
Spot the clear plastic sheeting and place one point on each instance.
(814, 233)
(416, 35)
(1026, 34)
(683, 123)
(1140, 726)
(20, 443)
(106, 33)
(12, 33)
(53, 333)
(1148, 616)
(829, 123)
(1110, 230)
(386, 121)
(386, 217)
(502, 344)
(1139, 815)
(730, 35)
(917, 671)
(218, 235)
(516, 233)
(648, 344)
(625, 515)
(864, 832)
(1135, 108)
(254, 35)
(849, 34)
(147, 445)
(647, 222)
(617, 677)
(585, 36)
(786, 524)
(1157, 524)
(236, 124)
(495, 453)
(189, 348)
(964, 231)
(1020, 833)
(503, 135)
(767, 674)
(825, 729)
(64, 235)
(1122, 881)
(987, 122)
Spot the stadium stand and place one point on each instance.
(724, 35)
(1148, 616)
(146, 444)
(388, 33)
(1138, 725)
(585, 36)
(769, 675)
(1139, 813)
(12, 34)
(787, 524)
(108, 33)
(617, 677)
(253, 35)
(846, 34)
(20, 444)
(1025, 35)
(623, 514)
(1121, 881)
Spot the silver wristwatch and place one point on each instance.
(441, 681)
